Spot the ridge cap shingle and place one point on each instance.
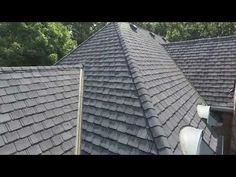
(162, 139)
(162, 38)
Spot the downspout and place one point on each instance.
(234, 116)
(225, 129)
(234, 121)
(79, 113)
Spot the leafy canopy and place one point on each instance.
(37, 43)
(179, 31)
(33, 43)
(82, 30)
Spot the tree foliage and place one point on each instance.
(178, 31)
(37, 43)
(33, 43)
(82, 30)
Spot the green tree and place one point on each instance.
(178, 31)
(44, 43)
(32, 44)
(82, 30)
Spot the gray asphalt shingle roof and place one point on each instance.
(114, 121)
(38, 109)
(136, 98)
(210, 65)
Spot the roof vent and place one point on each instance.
(152, 34)
(164, 39)
(190, 140)
(133, 27)
(231, 91)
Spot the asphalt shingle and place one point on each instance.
(22, 144)
(109, 90)
(46, 145)
(25, 110)
(1, 141)
(136, 99)
(4, 118)
(34, 150)
(208, 66)
(8, 149)
(158, 80)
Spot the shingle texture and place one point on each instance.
(114, 121)
(136, 98)
(169, 100)
(39, 108)
(210, 65)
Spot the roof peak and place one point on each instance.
(159, 38)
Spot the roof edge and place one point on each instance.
(82, 43)
(39, 68)
(200, 40)
(158, 134)
(222, 109)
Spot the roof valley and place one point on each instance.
(209, 64)
(190, 83)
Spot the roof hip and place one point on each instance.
(157, 132)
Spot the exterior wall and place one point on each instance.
(225, 131)
(227, 121)
(233, 139)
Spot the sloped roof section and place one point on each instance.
(38, 109)
(210, 65)
(113, 118)
(161, 85)
(136, 98)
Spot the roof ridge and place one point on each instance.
(148, 109)
(94, 34)
(201, 39)
(38, 68)
(164, 41)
